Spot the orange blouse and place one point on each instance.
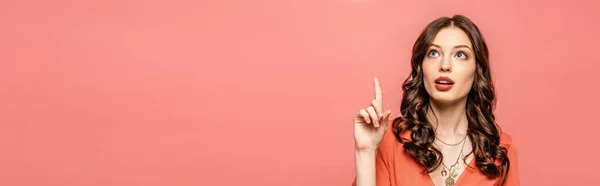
(395, 167)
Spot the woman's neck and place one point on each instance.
(448, 120)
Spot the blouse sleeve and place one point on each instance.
(381, 170)
(512, 178)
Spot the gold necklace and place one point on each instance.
(455, 144)
(451, 178)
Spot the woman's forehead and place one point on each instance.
(451, 37)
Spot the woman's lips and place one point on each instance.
(443, 83)
(443, 87)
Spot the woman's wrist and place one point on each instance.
(365, 166)
(364, 150)
(365, 153)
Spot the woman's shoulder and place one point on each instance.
(391, 150)
(390, 141)
(506, 139)
(390, 137)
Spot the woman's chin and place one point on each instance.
(445, 99)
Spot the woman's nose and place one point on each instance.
(445, 66)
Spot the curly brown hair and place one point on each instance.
(483, 131)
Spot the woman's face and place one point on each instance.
(449, 66)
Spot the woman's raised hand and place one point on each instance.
(371, 123)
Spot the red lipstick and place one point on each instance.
(443, 83)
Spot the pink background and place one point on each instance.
(262, 92)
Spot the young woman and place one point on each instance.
(447, 134)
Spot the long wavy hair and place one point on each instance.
(483, 132)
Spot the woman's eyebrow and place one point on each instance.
(462, 46)
(457, 46)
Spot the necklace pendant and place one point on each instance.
(453, 175)
(449, 181)
(444, 173)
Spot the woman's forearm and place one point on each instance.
(365, 167)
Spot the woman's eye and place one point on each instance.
(433, 53)
(461, 55)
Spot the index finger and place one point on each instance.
(378, 94)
